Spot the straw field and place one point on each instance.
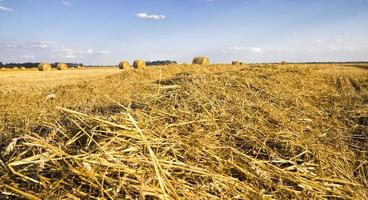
(186, 132)
(32, 81)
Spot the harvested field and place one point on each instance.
(186, 132)
(31, 80)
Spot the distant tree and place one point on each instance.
(26, 65)
(161, 62)
(1, 64)
(73, 64)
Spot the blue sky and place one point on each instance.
(103, 32)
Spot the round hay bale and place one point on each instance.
(44, 67)
(62, 66)
(201, 61)
(236, 62)
(22, 68)
(284, 62)
(139, 64)
(124, 65)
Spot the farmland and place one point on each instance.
(292, 131)
(31, 80)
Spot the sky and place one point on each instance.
(104, 32)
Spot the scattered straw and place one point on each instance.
(212, 132)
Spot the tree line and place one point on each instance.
(161, 62)
(34, 65)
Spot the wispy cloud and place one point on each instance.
(65, 3)
(28, 45)
(360, 1)
(321, 46)
(150, 16)
(251, 49)
(3, 8)
(104, 52)
(72, 54)
(259, 50)
(256, 49)
(29, 57)
(49, 48)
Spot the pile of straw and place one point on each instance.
(62, 66)
(201, 61)
(124, 65)
(217, 132)
(44, 67)
(236, 62)
(139, 64)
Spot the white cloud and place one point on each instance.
(6, 45)
(72, 54)
(29, 45)
(44, 45)
(251, 49)
(49, 49)
(63, 50)
(29, 57)
(256, 50)
(3, 8)
(360, 1)
(65, 3)
(237, 48)
(150, 16)
(68, 55)
(319, 41)
(91, 51)
(104, 52)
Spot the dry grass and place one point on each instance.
(31, 81)
(211, 132)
